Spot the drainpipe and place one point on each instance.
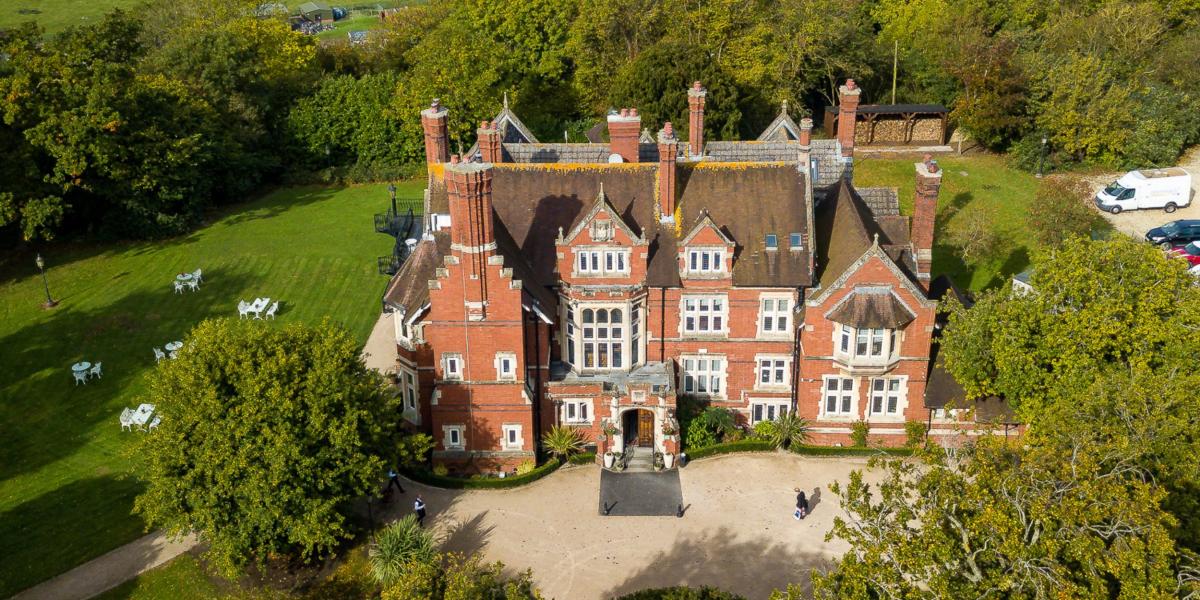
(662, 324)
(796, 369)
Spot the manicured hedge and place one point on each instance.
(484, 483)
(848, 451)
(586, 458)
(727, 447)
(681, 593)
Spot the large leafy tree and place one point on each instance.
(1005, 521)
(267, 434)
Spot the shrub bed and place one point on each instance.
(681, 593)
(848, 451)
(484, 483)
(586, 458)
(727, 447)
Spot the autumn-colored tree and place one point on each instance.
(267, 434)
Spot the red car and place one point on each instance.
(1189, 251)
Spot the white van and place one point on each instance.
(1167, 189)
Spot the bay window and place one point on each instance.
(602, 336)
(868, 344)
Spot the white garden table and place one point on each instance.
(141, 416)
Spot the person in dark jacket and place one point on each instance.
(419, 508)
(801, 505)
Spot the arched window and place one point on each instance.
(616, 315)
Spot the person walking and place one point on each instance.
(394, 480)
(419, 508)
(801, 505)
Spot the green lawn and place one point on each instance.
(57, 15)
(65, 493)
(341, 29)
(970, 183)
(181, 579)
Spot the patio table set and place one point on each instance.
(257, 307)
(190, 281)
(140, 418)
(85, 370)
(172, 349)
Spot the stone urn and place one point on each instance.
(668, 460)
(608, 460)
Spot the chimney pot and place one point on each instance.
(667, 127)
(435, 104)
(696, 85)
(454, 159)
(624, 112)
(850, 84)
(633, 112)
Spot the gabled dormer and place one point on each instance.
(601, 247)
(706, 253)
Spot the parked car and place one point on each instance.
(1167, 189)
(1174, 233)
(1189, 252)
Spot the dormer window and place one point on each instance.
(706, 260)
(772, 241)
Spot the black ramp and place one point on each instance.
(640, 494)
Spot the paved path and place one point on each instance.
(737, 532)
(110, 570)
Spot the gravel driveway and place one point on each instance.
(1137, 222)
(737, 532)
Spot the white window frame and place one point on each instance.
(601, 262)
(577, 411)
(705, 260)
(848, 341)
(512, 430)
(774, 322)
(499, 362)
(455, 360)
(609, 352)
(697, 381)
(843, 398)
(692, 312)
(891, 389)
(768, 410)
(448, 432)
(406, 381)
(777, 368)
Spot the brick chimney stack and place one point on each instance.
(437, 142)
(668, 148)
(624, 128)
(696, 95)
(806, 125)
(489, 142)
(929, 181)
(472, 236)
(847, 116)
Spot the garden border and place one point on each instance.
(803, 450)
(490, 483)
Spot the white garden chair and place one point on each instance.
(159, 355)
(154, 423)
(178, 287)
(127, 419)
(196, 275)
(173, 354)
(95, 371)
(81, 377)
(243, 309)
(271, 311)
(193, 284)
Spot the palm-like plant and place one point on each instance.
(719, 420)
(790, 428)
(562, 441)
(399, 546)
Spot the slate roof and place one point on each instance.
(408, 290)
(846, 227)
(880, 201)
(831, 167)
(748, 202)
(770, 151)
(871, 308)
(782, 129)
(557, 153)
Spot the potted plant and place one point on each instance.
(609, 458)
(668, 427)
(618, 461)
(668, 460)
(658, 461)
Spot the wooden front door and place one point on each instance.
(645, 428)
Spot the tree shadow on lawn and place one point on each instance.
(748, 567)
(46, 416)
(282, 200)
(56, 531)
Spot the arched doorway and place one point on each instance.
(637, 428)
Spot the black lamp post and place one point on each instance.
(1042, 156)
(41, 265)
(392, 191)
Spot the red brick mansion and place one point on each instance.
(594, 285)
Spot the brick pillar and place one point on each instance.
(696, 95)
(806, 125)
(437, 142)
(668, 148)
(929, 181)
(847, 115)
(624, 128)
(489, 142)
(472, 239)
